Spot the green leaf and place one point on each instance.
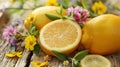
(52, 17)
(32, 25)
(75, 63)
(36, 49)
(59, 55)
(12, 48)
(33, 30)
(81, 55)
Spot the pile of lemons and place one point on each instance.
(100, 35)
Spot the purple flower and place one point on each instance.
(80, 15)
(12, 42)
(8, 32)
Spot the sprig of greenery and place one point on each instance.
(79, 56)
(12, 48)
(60, 56)
(84, 4)
(75, 63)
(59, 12)
(37, 49)
(33, 31)
(52, 17)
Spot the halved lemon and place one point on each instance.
(95, 61)
(60, 35)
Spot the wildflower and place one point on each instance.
(51, 3)
(13, 42)
(80, 15)
(65, 62)
(14, 54)
(70, 10)
(47, 58)
(40, 64)
(30, 42)
(28, 21)
(30, 18)
(8, 32)
(99, 8)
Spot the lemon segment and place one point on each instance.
(95, 61)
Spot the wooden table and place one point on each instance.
(29, 56)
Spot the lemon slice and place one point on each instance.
(60, 35)
(95, 61)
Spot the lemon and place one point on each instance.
(39, 18)
(101, 35)
(95, 61)
(60, 35)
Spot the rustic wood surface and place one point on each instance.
(29, 56)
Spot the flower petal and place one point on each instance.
(10, 55)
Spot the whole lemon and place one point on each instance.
(39, 18)
(101, 35)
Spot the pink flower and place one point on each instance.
(8, 32)
(70, 10)
(80, 15)
(77, 17)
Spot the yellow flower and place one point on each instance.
(29, 19)
(51, 3)
(65, 62)
(30, 42)
(14, 54)
(40, 64)
(99, 8)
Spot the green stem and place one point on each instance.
(84, 5)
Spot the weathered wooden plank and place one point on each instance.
(4, 47)
(115, 59)
(4, 61)
(23, 61)
(12, 62)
